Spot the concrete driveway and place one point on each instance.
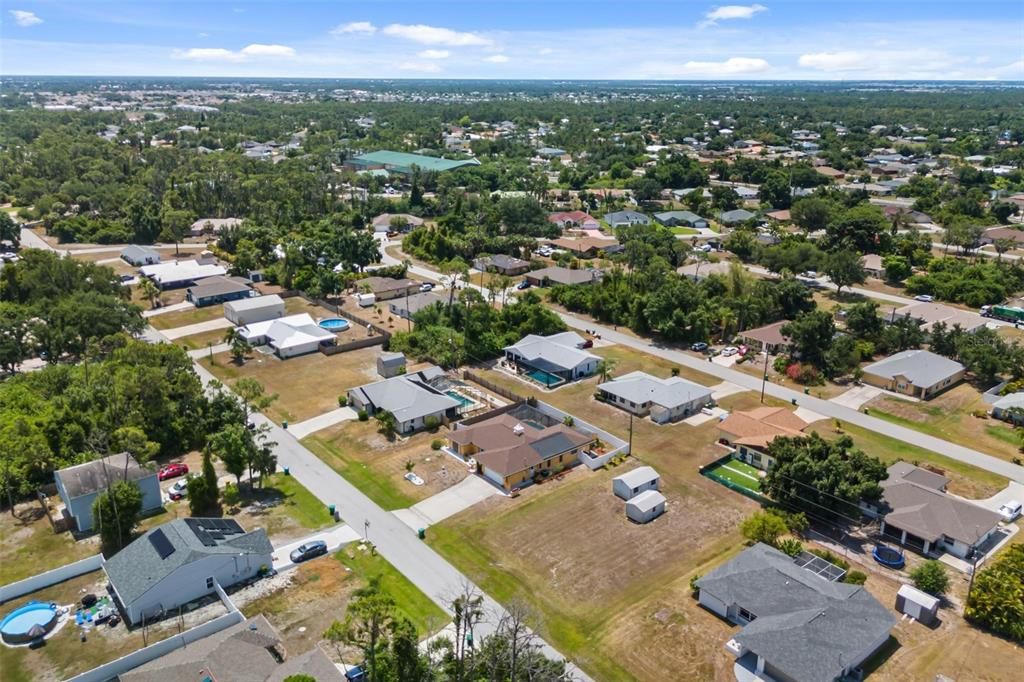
(336, 537)
(1014, 491)
(460, 496)
(322, 421)
(198, 328)
(726, 388)
(857, 396)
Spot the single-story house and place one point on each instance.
(254, 309)
(909, 215)
(745, 193)
(750, 432)
(250, 651)
(1014, 234)
(919, 373)
(552, 360)
(780, 216)
(408, 397)
(403, 163)
(916, 512)
(831, 173)
(180, 273)
(502, 264)
(579, 219)
(796, 624)
(79, 485)
(735, 217)
(586, 247)
(140, 255)
(921, 606)
(636, 481)
(288, 336)
(407, 306)
(930, 314)
(510, 451)
(1004, 408)
(214, 290)
(873, 266)
(666, 400)
(559, 275)
(625, 218)
(386, 288)
(645, 507)
(698, 271)
(390, 364)
(213, 225)
(681, 219)
(767, 338)
(387, 222)
(181, 561)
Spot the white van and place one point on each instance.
(1010, 511)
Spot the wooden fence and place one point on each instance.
(491, 386)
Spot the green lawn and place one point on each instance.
(410, 601)
(738, 473)
(684, 230)
(299, 503)
(377, 487)
(182, 318)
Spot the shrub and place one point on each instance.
(791, 546)
(436, 444)
(831, 558)
(931, 577)
(781, 363)
(568, 421)
(997, 599)
(693, 584)
(431, 423)
(363, 416)
(855, 578)
(229, 495)
(804, 373)
(764, 526)
(342, 400)
(797, 523)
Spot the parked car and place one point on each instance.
(179, 490)
(730, 351)
(426, 286)
(589, 343)
(127, 278)
(924, 297)
(810, 274)
(1010, 511)
(699, 347)
(310, 550)
(172, 471)
(523, 285)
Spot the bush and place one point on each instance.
(931, 577)
(342, 400)
(436, 444)
(229, 495)
(804, 373)
(693, 584)
(831, 558)
(797, 523)
(997, 599)
(855, 578)
(431, 423)
(764, 526)
(791, 546)
(363, 416)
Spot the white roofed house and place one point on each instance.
(410, 398)
(180, 273)
(665, 400)
(213, 225)
(552, 360)
(288, 336)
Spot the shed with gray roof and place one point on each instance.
(636, 481)
(79, 485)
(665, 400)
(1010, 408)
(645, 507)
(918, 373)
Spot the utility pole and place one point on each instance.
(764, 375)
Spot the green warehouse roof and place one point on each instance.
(402, 162)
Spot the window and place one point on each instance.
(209, 583)
(747, 615)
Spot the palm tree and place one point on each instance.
(605, 368)
(150, 291)
(230, 334)
(726, 319)
(1002, 246)
(502, 282)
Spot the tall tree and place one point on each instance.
(115, 513)
(844, 268)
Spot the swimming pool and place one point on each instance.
(334, 324)
(17, 624)
(464, 402)
(545, 378)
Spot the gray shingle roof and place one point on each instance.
(738, 215)
(626, 217)
(640, 387)
(806, 625)
(407, 396)
(87, 478)
(680, 216)
(556, 353)
(922, 367)
(136, 253)
(138, 567)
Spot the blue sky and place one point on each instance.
(598, 39)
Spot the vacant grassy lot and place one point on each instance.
(29, 546)
(948, 416)
(307, 386)
(181, 318)
(377, 466)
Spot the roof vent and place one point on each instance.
(518, 429)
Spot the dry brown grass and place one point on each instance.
(181, 318)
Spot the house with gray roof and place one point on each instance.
(916, 512)
(182, 561)
(407, 306)
(556, 274)
(501, 263)
(625, 218)
(735, 217)
(80, 484)
(218, 289)
(918, 373)
(796, 624)
(551, 360)
(134, 254)
(680, 219)
(665, 400)
(1010, 408)
(411, 398)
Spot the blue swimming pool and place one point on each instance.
(463, 400)
(334, 324)
(545, 378)
(17, 624)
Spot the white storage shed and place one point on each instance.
(255, 309)
(919, 605)
(646, 506)
(632, 483)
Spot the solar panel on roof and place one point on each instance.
(231, 526)
(161, 544)
(197, 528)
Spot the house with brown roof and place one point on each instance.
(873, 266)
(579, 219)
(515, 448)
(1014, 234)
(750, 432)
(768, 337)
(831, 173)
(916, 512)
(586, 247)
(386, 288)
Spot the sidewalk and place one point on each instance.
(174, 307)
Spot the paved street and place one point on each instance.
(335, 537)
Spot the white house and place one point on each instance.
(645, 507)
(134, 254)
(665, 400)
(408, 397)
(181, 561)
(288, 336)
(180, 273)
(79, 485)
(552, 360)
(632, 483)
(254, 309)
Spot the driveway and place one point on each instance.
(1014, 491)
(335, 538)
(322, 421)
(173, 308)
(726, 388)
(460, 496)
(857, 397)
(198, 328)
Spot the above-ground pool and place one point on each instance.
(888, 556)
(16, 625)
(334, 324)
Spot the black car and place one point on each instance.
(699, 347)
(309, 550)
(523, 285)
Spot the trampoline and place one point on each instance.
(28, 622)
(888, 556)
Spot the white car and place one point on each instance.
(730, 351)
(1010, 511)
(810, 274)
(426, 286)
(924, 297)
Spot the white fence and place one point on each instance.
(615, 445)
(57, 575)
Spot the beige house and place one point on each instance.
(750, 432)
(918, 373)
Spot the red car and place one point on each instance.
(172, 471)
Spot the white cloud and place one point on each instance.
(219, 54)
(434, 35)
(420, 67)
(204, 35)
(730, 67)
(259, 50)
(354, 27)
(496, 59)
(24, 18)
(545, 50)
(835, 61)
(881, 62)
(730, 12)
(434, 54)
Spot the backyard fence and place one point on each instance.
(57, 575)
(491, 386)
(616, 446)
(469, 421)
(351, 317)
(707, 472)
(354, 345)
